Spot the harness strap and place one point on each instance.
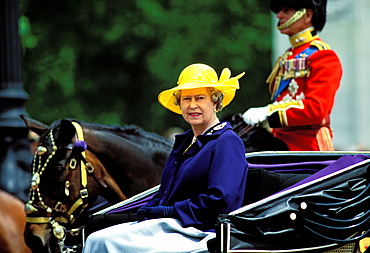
(91, 170)
(85, 165)
(78, 203)
(80, 136)
(62, 219)
(82, 201)
(37, 220)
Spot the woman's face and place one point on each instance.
(197, 108)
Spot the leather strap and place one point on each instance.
(80, 136)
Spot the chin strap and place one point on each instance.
(296, 16)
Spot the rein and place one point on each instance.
(80, 204)
(241, 128)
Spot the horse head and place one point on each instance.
(60, 184)
(68, 176)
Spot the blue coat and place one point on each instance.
(207, 180)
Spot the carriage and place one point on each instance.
(294, 201)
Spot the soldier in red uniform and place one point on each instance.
(303, 81)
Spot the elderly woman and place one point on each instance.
(204, 176)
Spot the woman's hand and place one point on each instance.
(153, 212)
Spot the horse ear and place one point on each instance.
(34, 125)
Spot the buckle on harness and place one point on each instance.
(74, 232)
(89, 168)
(73, 163)
(58, 207)
(84, 193)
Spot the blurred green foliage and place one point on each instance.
(106, 61)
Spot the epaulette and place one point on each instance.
(320, 45)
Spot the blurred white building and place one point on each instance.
(347, 31)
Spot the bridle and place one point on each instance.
(58, 214)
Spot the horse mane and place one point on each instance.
(127, 131)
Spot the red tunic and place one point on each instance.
(300, 112)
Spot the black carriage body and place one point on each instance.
(327, 210)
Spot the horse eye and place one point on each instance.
(57, 165)
(59, 168)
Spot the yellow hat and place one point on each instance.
(200, 76)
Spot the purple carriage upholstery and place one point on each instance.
(121, 212)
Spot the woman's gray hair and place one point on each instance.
(216, 96)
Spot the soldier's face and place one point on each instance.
(286, 13)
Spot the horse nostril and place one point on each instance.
(35, 244)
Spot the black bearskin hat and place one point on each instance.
(318, 7)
